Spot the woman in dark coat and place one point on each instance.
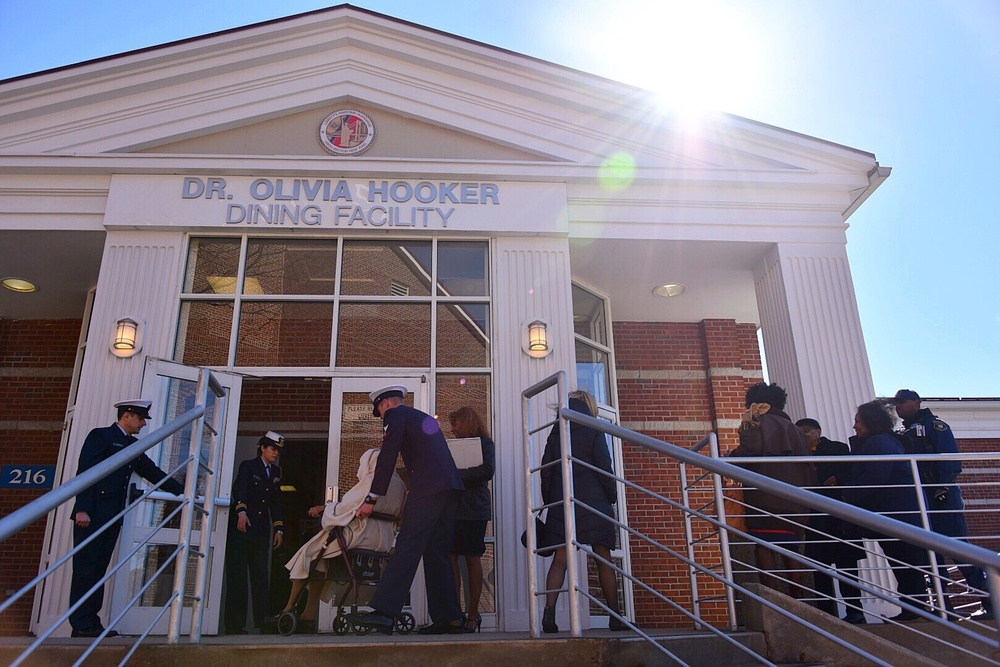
(475, 509)
(887, 487)
(767, 431)
(589, 487)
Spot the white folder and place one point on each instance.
(467, 452)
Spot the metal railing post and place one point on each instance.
(720, 506)
(187, 514)
(529, 502)
(926, 523)
(569, 513)
(208, 519)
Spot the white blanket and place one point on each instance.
(372, 535)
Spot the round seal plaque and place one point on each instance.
(347, 132)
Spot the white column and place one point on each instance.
(813, 340)
(140, 276)
(532, 279)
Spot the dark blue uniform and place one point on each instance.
(944, 498)
(258, 495)
(102, 502)
(429, 515)
(820, 545)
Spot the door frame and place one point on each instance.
(417, 384)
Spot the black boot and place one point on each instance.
(549, 620)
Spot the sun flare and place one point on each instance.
(696, 57)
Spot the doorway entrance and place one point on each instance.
(327, 424)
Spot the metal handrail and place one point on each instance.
(39, 508)
(934, 543)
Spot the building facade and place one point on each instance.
(339, 200)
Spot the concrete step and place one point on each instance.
(595, 649)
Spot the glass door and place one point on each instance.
(620, 555)
(172, 387)
(353, 431)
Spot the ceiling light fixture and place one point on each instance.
(670, 289)
(18, 285)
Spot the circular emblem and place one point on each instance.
(347, 132)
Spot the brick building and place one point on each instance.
(335, 201)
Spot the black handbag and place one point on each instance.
(540, 539)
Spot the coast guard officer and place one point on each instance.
(256, 510)
(944, 498)
(428, 517)
(98, 505)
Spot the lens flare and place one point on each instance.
(617, 171)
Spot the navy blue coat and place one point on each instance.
(886, 486)
(418, 437)
(106, 498)
(477, 503)
(597, 490)
(259, 496)
(939, 439)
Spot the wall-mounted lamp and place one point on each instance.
(127, 339)
(535, 338)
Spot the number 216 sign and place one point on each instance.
(27, 477)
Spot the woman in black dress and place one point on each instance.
(589, 487)
(475, 509)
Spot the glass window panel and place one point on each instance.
(386, 268)
(181, 396)
(300, 266)
(463, 335)
(592, 372)
(284, 334)
(588, 316)
(384, 335)
(203, 333)
(455, 390)
(211, 266)
(463, 268)
(143, 567)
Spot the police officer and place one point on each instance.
(944, 497)
(99, 504)
(256, 510)
(428, 517)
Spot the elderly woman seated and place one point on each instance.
(369, 534)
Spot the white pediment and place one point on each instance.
(262, 90)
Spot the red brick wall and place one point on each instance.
(676, 372)
(36, 367)
(980, 483)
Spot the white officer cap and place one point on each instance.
(137, 406)
(379, 395)
(272, 438)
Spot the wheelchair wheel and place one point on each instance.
(361, 629)
(406, 623)
(287, 623)
(341, 626)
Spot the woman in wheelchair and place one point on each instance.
(308, 567)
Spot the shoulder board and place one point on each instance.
(940, 425)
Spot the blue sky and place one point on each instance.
(916, 82)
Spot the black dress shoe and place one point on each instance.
(96, 632)
(453, 627)
(375, 620)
